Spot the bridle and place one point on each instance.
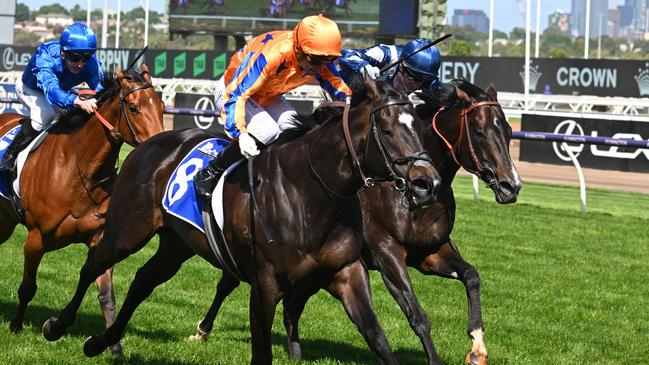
(114, 130)
(479, 167)
(400, 182)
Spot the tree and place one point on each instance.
(459, 48)
(517, 33)
(55, 8)
(78, 14)
(29, 39)
(22, 12)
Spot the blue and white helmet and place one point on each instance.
(78, 38)
(424, 64)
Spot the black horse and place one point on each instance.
(395, 237)
(305, 186)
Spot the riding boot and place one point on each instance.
(205, 180)
(20, 141)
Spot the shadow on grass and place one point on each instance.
(84, 325)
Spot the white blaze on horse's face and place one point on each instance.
(407, 119)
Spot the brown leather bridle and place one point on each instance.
(464, 128)
(400, 182)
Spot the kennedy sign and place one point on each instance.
(595, 156)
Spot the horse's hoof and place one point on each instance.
(116, 349)
(201, 335)
(52, 329)
(15, 326)
(94, 346)
(294, 350)
(477, 359)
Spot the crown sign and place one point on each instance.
(535, 75)
(642, 79)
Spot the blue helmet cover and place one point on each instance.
(425, 63)
(78, 38)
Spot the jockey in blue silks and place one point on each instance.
(419, 72)
(44, 88)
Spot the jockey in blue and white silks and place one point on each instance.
(44, 88)
(421, 71)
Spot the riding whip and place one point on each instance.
(262, 222)
(137, 57)
(415, 52)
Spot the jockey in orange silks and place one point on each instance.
(250, 94)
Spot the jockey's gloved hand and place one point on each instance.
(348, 100)
(88, 105)
(371, 71)
(247, 145)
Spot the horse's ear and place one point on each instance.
(461, 95)
(491, 91)
(119, 73)
(144, 71)
(371, 88)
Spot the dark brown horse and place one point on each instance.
(470, 131)
(66, 182)
(305, 188)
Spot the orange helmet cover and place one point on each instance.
(317, 35)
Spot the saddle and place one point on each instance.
(10, 185)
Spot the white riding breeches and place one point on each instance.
(37, 108)
(264, 123)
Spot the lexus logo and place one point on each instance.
(10, 59)
(204, 103)
(568, 126)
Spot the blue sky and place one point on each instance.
(508, 13)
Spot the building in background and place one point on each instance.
(598, 9)
(560, 20)
(7, 21)
(475, 19)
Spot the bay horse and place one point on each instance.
(305, 187)
(66, 182)
(396, 238)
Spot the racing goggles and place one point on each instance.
(77, 57)
(318, 60)
(416, 77)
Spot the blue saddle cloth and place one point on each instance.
(180, 197)
(5, 141)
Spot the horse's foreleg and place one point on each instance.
(106, 298)
(225, 286)
(164, 264)
(351, 287)
(394, 272)
(100, 258)
(263, 301)
(293, 308)
(448, 262)
(33, 252)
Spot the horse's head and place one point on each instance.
(137, 106)
(392, 135)
(475, 130)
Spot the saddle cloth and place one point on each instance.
(180, 196)
(5, 141)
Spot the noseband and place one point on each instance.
(114, 131)
(464, 126)
(401, 183)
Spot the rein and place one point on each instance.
(114, 132)
(400, 182)
(464, 128)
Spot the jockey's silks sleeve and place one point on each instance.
(263, 70)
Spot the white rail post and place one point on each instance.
(580, 175)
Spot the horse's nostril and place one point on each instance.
(422, 184)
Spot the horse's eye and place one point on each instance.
(387, 132)
(132, 108)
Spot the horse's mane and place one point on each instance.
(77, 117)
(447, 96)
(303, 123)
